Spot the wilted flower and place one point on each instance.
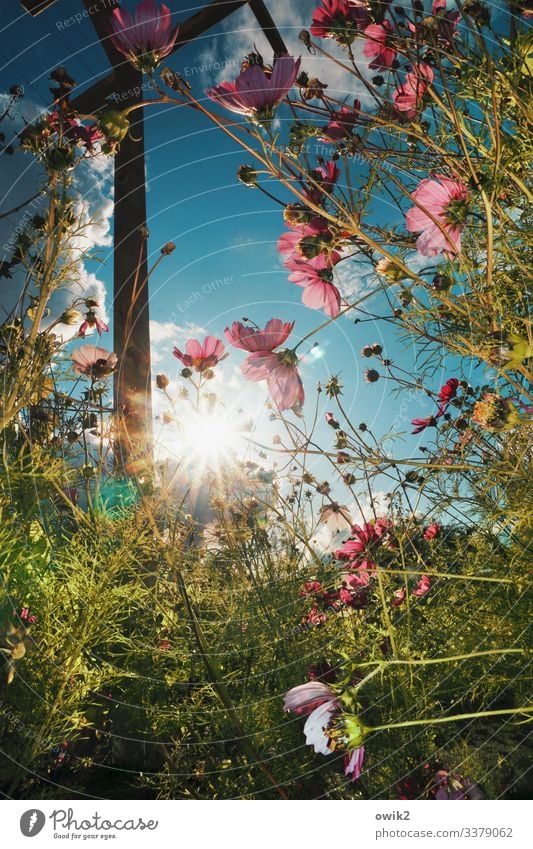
(446, 201)
(94, 362)
(201, 356)
(145, 38)
(161, 381)
(258, 89)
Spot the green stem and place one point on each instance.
(439, 720)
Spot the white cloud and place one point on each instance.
(169, 331)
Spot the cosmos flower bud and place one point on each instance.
(161, 381)
(295, 214)
(377, 349)
(507, 350)
(70, 317)
(385, 268)
(90, 303)
(186, 372)
(114, 125)
(366, 351)
(371, 375)
(247, 175)
(169, 248)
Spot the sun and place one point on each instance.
(203, 441)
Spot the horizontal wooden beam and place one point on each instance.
(208, 17)
(266, 22)
(35, 7)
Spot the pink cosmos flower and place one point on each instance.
(252, 339)
(340, 19)
(87, 135)
(432, 531)
(360, 540)
(311, 588)
(378, 47)
(447, 393)
(423, 587)
(341, 124)
(336, 516)
(92, 321)
(326, 175)
(422, 424)
(94, 362)
(147, 37)
(408, 97)
(353, 763)
(201, 356)
(258, 89)
(308, 241)
(305, 698)
(440, 211)
(278, 368)
(315, 276)
(322, 295)
(361, 577)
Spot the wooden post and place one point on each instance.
(131, 328)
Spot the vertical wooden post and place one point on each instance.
(133, 398)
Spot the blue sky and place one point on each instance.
(226, 265)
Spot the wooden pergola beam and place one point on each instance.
(132, 385)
